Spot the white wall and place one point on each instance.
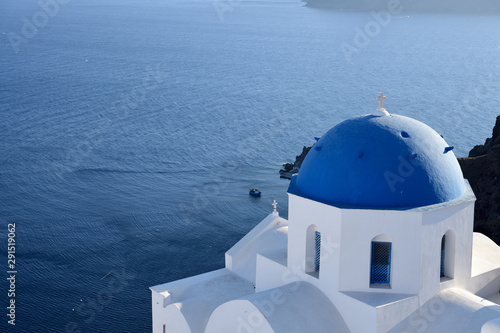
(485, 267)
(241, 258)
(359, 227)
(270, 274)
(415, 257)
(457, 219)
(303, 213)
(170, 316)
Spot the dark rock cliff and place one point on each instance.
(482, 169)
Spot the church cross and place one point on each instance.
(381, 98)
(274, 204)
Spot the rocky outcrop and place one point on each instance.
(482, 169)
(289, 169)
(480, 150)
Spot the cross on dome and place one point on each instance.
(380, 112)
(274, 204)
(381, 98)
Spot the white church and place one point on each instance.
(379, 239)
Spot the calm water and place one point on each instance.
(131, 131)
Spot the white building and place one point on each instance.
(379, 239)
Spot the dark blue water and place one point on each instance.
(131, 131)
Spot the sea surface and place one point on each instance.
(131, 131)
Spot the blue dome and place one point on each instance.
(380, 162)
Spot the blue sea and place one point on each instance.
(132, 130)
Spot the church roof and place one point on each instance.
(380, 161)
(452, 310)
(296, 307)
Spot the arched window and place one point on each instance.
(380, 270)
(447, 262)
(313, 250)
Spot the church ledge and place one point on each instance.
(279, 256)
(485, 255)
(378, 300)
(493, 298)
(468, 196)
(453, 309)
(481, 267)
(483, 301)
(221, 283)
(188, 281)
(271, 221)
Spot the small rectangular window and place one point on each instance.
(381, 263)
(317, 252)
(443, 243)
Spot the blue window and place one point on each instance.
(381, 263)
(317, 250)
(443, 244)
